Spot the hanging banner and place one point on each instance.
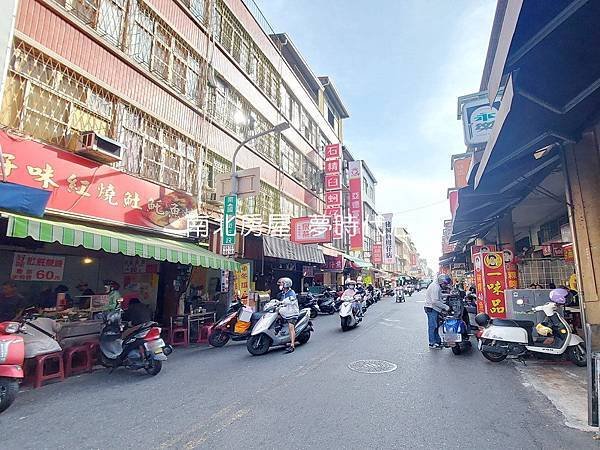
(241, 280)
(494, 283)
(377, 254)
(512, 270)
(32, 267)
(334, 263)
(333, 151)
(388, 240)
(356, 206)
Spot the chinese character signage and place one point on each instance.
(311, 230)
(334, 263)
(333, 151)
(512, 270)
(228, 225)
(333, 182)
(241, 281)
(388, 240)
(88, 189)
(356, 206)
(32, 267)
(494, 283)
(481, 248)
(377, 254)
(569, 254)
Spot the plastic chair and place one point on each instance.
(39, 372)
(77, 359)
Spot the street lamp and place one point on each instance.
(234, 180)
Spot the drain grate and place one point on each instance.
(372, 366)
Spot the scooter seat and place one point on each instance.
(525, 324)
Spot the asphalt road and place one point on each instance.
(225, 398)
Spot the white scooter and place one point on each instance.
(504, 337)
(351, 311)
(269, 332)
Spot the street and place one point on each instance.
(225, 398)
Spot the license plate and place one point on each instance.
(153, 346)
(452, 337)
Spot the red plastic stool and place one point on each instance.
(77, 359)
(204, 332)
(94, 348)
(179, 337)
(39, 373)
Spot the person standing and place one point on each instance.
(12, 303)
(290, 310)
(433, 306)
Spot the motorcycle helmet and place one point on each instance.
(482, 319)
(350, 283)
(284, 283)
(444, 280)
(543, 330)
(560, 296)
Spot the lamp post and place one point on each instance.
(234, 180)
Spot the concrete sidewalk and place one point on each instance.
(564, 384)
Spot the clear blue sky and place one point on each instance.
(399, 66)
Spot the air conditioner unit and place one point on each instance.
(99, 148)
(299, 176)
(211, 198)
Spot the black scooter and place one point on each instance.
(326, 303)
(306, 300)
(137, 347)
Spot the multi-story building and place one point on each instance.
(170, 88)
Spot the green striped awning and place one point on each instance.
(75, 235)
(362, 264)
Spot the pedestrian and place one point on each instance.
(433, 306)
(290, 311)
(12, 303)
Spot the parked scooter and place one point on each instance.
(270, 331)
(236, 325)
(12, 355)
(326, 302)
(502, 337)
(351, 311)
(453, 330)
(137, 347)
(306, 300)
(377, 292)
(409, 289)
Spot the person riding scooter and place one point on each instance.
(290, 311)
(351, 291)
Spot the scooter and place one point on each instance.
(409, 289)
(377, 295)
(453, 330)
(269, 331)
(326, 303)
(399, 295)
(502, 337)
(351, 313)
(12, 355)
(138, 347)
(235, 325)
(306, 300)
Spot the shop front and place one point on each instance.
(100, 224)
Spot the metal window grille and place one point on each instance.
(544, 271)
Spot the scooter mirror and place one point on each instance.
(520, 302)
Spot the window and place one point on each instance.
(141, 37)
(110, 20)
(291, 160)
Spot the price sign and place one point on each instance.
(32, 267)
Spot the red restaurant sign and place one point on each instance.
(335, 263)
(85, 188)
(494, 283)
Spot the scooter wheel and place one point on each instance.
(457, 350)
(9, 388)
(258, 344)
(154, 366)
(313, 313)
(303, 337)
(218, 339)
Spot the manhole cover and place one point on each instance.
(372, 366)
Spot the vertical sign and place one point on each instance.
(477, 263)
(377, 254)
(356, 206)
(228, 225)
(242, 280)
(388, 240)
(494, 283)
(333, 187)
(512, 271)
